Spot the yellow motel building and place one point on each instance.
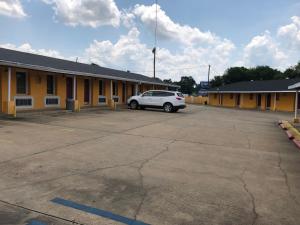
(35, 82)
(272, 95)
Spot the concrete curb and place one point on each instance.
(292, 133)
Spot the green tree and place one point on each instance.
(293, 72)
(217, 81)
(264, 73)
(169, 81)
(187, 84)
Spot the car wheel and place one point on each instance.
(168, 107)
(133, 104)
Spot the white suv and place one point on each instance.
(170, 101)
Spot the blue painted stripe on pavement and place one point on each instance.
(35, 222)
(98, 212)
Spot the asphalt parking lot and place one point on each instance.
(203, 165)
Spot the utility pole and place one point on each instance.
(208, 74)
(155, 41)
(154, 59)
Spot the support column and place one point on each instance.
(111, 101)
(76, 106)
(111, 90)
(275, 96)
(136, 89)
(296, 120)
(125, 92)
(11, 108)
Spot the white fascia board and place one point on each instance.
(53, 70)
(295, 86)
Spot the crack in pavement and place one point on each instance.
(55, 148)
(73, 174)
(255, 214)
(141, 177)
(286, 178)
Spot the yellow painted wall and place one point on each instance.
(263, 102)
(247, 102)
(80, 91)
(108, 90)
(196, 99)
(95, 91)
(129, 89)
(120, 91)
(37, 88)
(286, 102)
(213, 99)
(228, 100)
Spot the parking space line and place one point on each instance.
(98, 212)
(36, 222)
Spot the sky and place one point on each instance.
(191, 34)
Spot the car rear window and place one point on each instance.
(180, 94)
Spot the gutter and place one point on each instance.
(69, 72)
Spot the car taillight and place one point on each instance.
(178, 98)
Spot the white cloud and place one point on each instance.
(264, 50)
(290, 34)
(280, 50)
(12, 8)
(168, 29)
(92, 13)
(128, 53)
(26, 47)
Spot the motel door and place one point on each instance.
(124, 92)
(259, 100)
(268, 101)
(238, 100)
(86, 91)
(69, 90)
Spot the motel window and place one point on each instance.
(50, 85)
(277, 96)
(21, 83)
(251, 96)
(115, 88)
(231, 96)
(101, 87)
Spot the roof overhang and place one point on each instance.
(294, 86)
(76, 73)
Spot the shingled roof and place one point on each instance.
(33, 61)
(256, 86)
